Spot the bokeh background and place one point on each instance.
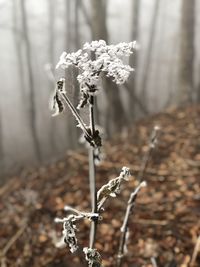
(35, 33)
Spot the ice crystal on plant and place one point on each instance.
(95, 58)
(69, 231)
(93, 257)
(112, 188)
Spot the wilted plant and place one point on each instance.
(93, 61)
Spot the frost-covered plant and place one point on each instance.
(69, 230)
(133, 196)
(124, 229)
(93, 257)
(112, 188)
(93, 61)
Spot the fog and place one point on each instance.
(55, 26)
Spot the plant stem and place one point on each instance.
(76, 115)
(148, 154)
(124, 228)
(92, 178)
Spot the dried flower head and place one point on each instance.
(106, 59)
(112, 188)
(93, 257)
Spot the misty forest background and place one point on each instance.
(35, 33)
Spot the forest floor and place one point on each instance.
(165, 223)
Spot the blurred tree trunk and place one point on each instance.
(1, 149)
(51, 12)
(99, 28)
(76, 24)
(32, 97)
(18, 45)
(147, 64)
(133, 61)
(51, 30)
(72, 42)
(68, 25)
(115, 112)
(186, 67)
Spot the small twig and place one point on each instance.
(153, 261)
(145, 161)
(13, 239)
(124, 228)
(88, 215)
(76, 115)
(195, 252)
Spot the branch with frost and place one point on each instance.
(88, 215)
(69, 230)
(153, 141)
(93, 257)
(108, 60)
(112, 188)
(69, 226)
(60, 97)
(92, 61)
(124, 229)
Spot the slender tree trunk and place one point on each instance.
(147, 64)
(76, 25)
(18, 46)
(186, 67)
(133, 62)
(51, 4)
(72, 41)
(51, 30)
(115, 110)
(1, 150)
(68, 25)
(32, 97)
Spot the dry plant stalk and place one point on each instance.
(133, 196)
(94, 60)
(152, 144)
(195, 252)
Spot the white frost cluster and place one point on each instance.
(112, 188)
(93, 257)
(95, 58)
(69, 231)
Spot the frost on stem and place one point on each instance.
(69, 225)
(124, 229)
(93, 257)
(112, 188)
(60, 97)
(107, 60)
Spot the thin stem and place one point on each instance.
(145, 161)
(124, 228)
(133, 196)
(195, 252)
(76, 115)
(93, 191)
